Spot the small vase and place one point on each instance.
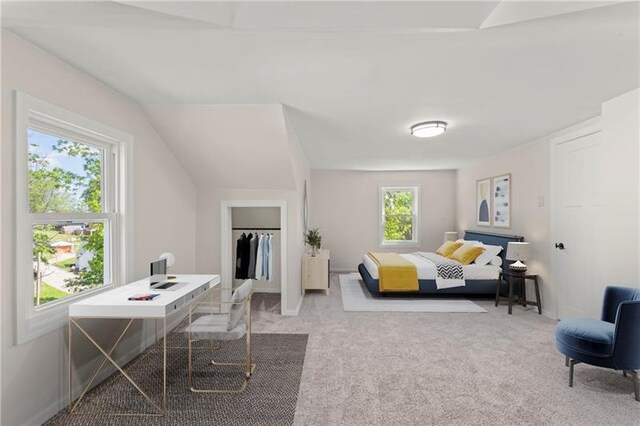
(315, 251)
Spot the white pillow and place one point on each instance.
(238, 310)
(470, 242)
(489, 253)
(496, 261)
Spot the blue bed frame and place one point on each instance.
(477, 287)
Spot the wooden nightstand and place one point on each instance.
(522, 277)
(315, 271)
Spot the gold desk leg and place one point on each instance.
(115, 364)
(164, 368)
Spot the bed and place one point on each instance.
(479, 279)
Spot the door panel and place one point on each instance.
(578, 203)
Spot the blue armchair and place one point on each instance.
(612, 342)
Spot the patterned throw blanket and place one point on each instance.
(450, 273)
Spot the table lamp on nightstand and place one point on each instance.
(450, 236)
(518, 252)
(171, 259)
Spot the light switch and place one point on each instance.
(541, 201)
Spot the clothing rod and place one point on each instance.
(256, 229)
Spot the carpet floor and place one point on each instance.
(270, 398)
(397, 368)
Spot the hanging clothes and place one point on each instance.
(246, 254)
(239, 250)
(270, 258)
(253, 249)
(265, 258)
(259, 274)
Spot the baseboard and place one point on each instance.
(62, 403)
(293, 312)
(266, 290)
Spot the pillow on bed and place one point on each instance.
(469, 242)
(489, 253)
(467, 254)
(496, 261)
(448, 248)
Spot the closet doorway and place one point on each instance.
(264, 217)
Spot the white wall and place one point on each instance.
(345, 208)
(530, 166)
(34, 374)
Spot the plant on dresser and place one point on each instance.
(313, 239)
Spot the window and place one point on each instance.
(399, 224)
(70, 193)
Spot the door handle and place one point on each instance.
(560, 246)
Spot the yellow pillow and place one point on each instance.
(448, 248)
(467, 254)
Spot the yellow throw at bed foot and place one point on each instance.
(395, 273)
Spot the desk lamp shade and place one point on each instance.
(171, 259)
(518, 252)
(450, 236)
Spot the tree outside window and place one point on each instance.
(399, 215)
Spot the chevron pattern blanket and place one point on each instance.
(450, 272)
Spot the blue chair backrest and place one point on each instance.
(621, 306)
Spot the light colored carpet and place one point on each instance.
(357, 298)
(427, 368)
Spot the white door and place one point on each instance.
(578, 203)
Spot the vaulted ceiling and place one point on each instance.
(353, 76)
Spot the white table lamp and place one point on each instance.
(518, 252)
(170, 258)
(450, 236)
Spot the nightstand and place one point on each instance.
(522, 277)
(315, 271)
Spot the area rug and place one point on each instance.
(357, 298)
(270, 397)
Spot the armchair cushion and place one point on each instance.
(587, 336)
(214, 327)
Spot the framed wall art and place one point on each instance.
(483, 202)
(501, 193)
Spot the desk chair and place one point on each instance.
(210, 321)
(611, 342)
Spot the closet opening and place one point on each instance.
(254, 246)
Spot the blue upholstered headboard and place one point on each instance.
(494, 240)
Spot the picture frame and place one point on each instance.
(483, 202)
(501, 200)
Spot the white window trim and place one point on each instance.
(32, 322)
(415, 242)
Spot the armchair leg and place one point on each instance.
(566, 361)
(572, 362)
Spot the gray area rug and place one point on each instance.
(270, 398)
(357, 298)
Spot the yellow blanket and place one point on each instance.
(395, 273)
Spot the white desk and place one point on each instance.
(114, 304)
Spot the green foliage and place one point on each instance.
(313, 238)
(398, 211)
(50, 189)
(49, 294)
(42, 245)
(93, 276)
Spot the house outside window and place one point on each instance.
(399, 216)
(70, 211)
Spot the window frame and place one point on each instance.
(117, 181)
(415, 241)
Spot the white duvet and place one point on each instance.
(427, 269)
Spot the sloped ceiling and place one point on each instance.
(228, 146)
(354, 76)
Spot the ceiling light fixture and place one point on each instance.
(428, 129)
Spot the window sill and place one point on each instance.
(45, 319)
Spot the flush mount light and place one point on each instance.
(428, 129)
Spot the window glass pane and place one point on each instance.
(398, 228)
(398, 202)
(68, 258)
(64, 176)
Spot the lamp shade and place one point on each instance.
(171, 259)
(518, 251)
(450, 236)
